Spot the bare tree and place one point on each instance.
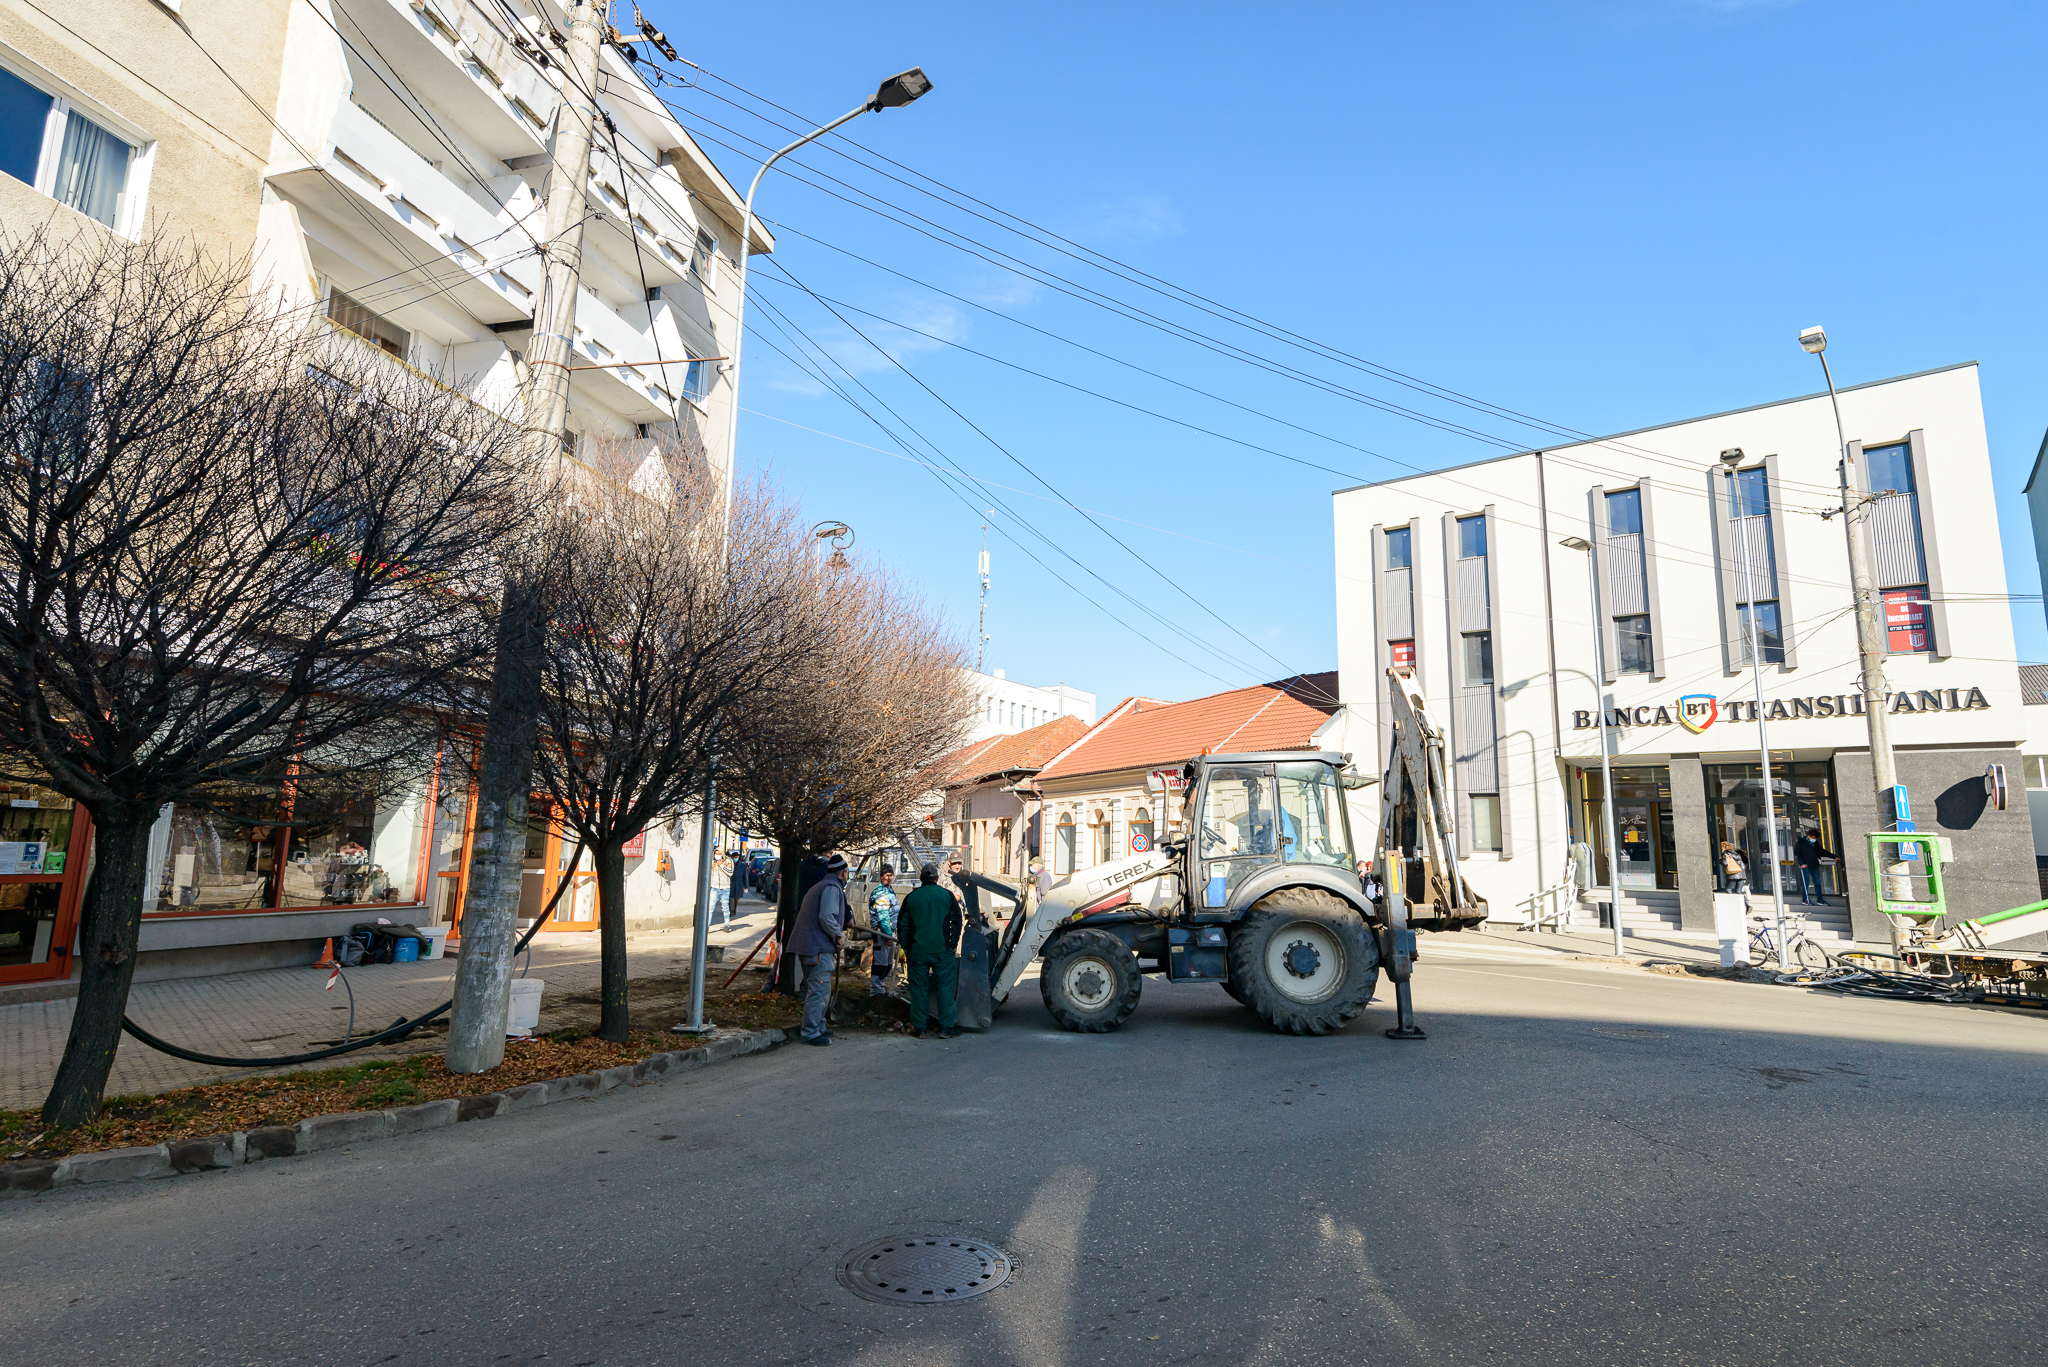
(830, 754)
(242, 557)
(665, 610)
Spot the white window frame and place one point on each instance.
(64, 98)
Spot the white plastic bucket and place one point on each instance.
(433, 939)
(522, 1009)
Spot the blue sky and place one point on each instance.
(1604, 215)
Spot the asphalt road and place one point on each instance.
(1580, 1165)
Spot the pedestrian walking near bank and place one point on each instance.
(928, 928)
(721, 907)
(1734, 869)
(740, 869)
(1809, 852)
(882, 924)
(815, 939)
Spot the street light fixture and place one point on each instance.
(1729, 460)
(1579, 543)
(1884, 773)
(893, 93)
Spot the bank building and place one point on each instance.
(1463, 574)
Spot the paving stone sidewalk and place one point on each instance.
(288, 1011)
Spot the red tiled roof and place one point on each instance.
(1140, 733)
(1003, 754)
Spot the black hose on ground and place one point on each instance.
(397, 1030)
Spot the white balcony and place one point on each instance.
(455, 58)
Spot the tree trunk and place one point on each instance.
(611, 934)
(490, 909)
(108, 932)
(788, 899)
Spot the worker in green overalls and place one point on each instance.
(928, 928)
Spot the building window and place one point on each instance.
(1632, 653)
(1478, 658)
(46, 143)
(1889, 469)
(1397, 548)
(1103, 852)
(1003, 845)
(371, 327)
(1063, 841)
(697, 381)
(2037, 771)
(1905, 619)
(1471, 538)
(1485, 831)
(1769, 637)
(703, 253)
(1625, 513)
(1141, 832)
(1403, 653)
(1753, 492)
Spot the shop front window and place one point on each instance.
(35, 830)
(1642, 826)
(359, 848)
(203, 861)
(28, 922)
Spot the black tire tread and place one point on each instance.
(1248, 968)
(1051, 962)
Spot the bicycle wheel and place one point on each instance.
(1809, 955)
(1761, 951)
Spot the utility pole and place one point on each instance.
(1870, 643)
(981, 622)
(483, 975)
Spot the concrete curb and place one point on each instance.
(212, 1153)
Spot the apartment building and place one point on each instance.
(1459, 574)
(1005, 707)
(383, 164)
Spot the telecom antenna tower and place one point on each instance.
(981, 621)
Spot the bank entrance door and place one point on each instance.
(1803, 799)
(1642, 824)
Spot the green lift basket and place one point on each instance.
(1926, 900)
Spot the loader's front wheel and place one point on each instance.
(1090, 980)
(1304, 960)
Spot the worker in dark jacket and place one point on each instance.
(928, 927)
(814, 939)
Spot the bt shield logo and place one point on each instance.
(1698, 711)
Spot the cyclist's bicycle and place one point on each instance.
(1801, 952)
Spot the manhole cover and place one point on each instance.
(924, 1269)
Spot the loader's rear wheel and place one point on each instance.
(1090, 980)
(1304, 960)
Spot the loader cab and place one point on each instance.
(1260, 821)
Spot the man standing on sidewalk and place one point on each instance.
(814, 939)
(928, 928)
(1809, 852)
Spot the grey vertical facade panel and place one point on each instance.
(1781, 573)
(1399, 611)
(1603, 619)
(1720, 521)
(1631, 595)
(1474, 609)
(1478, 749)
(1650, 600)
(1382, 657)
(1895, 542)
(1693, 839)
(1454, 677)
(1937, 614)
(1500, 724)
(1753, 535)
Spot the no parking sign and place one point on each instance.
(1140, 842)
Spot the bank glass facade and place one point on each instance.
(1642, 823)
(1804, 792)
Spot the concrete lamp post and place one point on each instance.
(1579, 543)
